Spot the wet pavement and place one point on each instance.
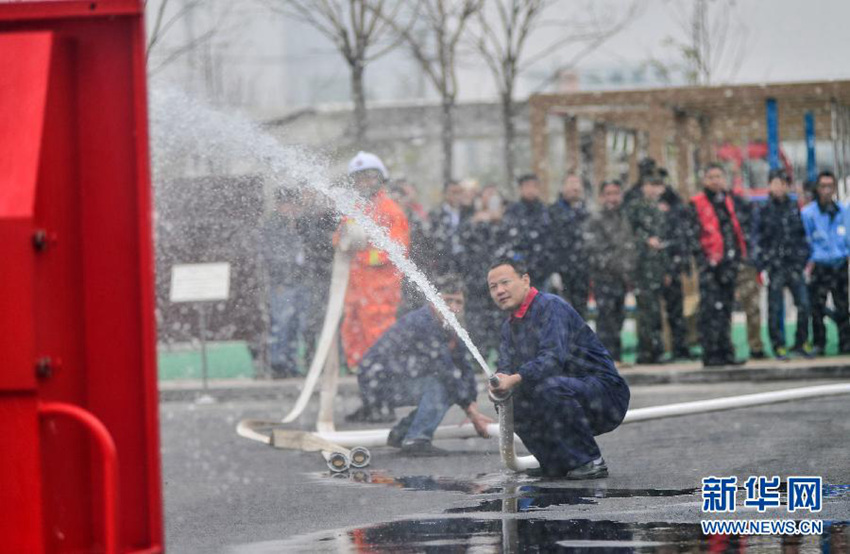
(224, 493)
(520, 514)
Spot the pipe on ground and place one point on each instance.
(507, 438)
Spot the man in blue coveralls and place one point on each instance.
(565, 387)
(420, 361)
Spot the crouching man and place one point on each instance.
(565, 387)
(420, 361)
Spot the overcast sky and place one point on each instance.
(786, 40)
(789, 40)
(282, 64)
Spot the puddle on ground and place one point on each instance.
(525, 487)
(528, 498)
(507, 522)
(544, 535)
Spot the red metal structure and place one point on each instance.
(79, 462)
(749, 169)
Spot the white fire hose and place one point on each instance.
(505, 429)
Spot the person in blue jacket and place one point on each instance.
(565, 386)
(826, 229)
(421, 362)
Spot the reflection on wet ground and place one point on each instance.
(544, 535)
(495, 483)
(530, 497)
(517, 515)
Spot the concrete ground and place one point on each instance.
(226, 493)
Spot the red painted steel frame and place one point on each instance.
(110, 466)
(76, 280)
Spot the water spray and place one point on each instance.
(203, 130)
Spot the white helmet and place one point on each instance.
(365, 160)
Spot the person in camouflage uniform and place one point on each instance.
(611, 256)
(648, 223)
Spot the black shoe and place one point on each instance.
(382, 415)
(368, 414)
(758, 355)
(724, 362)
(282, 371)
(535, 472)
(421, 448)
(359, 415)
(395, 437)
(682, 355)
(804, 351)
(591, 470)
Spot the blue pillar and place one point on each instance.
(811, 162)
(772, 134)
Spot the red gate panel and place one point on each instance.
(77, 335)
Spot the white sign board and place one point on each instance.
(200, 282)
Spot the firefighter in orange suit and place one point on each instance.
(374, 284)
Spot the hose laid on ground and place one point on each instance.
(330, 329)
(507, 438)
(337, 457)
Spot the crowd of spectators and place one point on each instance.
(644, 238)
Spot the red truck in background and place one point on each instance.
(748, 170)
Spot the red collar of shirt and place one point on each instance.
(520, 312)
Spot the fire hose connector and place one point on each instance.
(338, 462)
(360, 457)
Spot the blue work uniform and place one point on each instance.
(418, 362)
(570, 390)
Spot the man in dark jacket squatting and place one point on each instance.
(421, 362)
(565, 387)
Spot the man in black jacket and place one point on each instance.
(569, 258)
(781, 250)
(447, 253)
(679, 262)
(526, 229)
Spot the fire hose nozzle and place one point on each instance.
(360, 457)
(498, 399)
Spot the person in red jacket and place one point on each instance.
(718, 245)
(374, 284)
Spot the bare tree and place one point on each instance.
(361, 30)
(169, 14)
(434, 43)
(503, 29)
(714, 42)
